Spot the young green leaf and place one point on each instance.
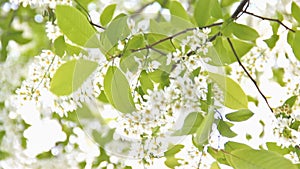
(271, 42)
(278, 75)
(116, 31)
(202, 12)
(296, 44)
(222, 53)
(219, 155)
(60, 46)
(190, 125)
(272, 146)
(145, 81)
(216, 10)
(244, 32)
(225, 3)
(171, 161)
(240, 115)
(224, 129)
(295, 11)
(234, 96)
(107, 14)
(291, 101)
(76, 26)
(231, 146)
(70, 76)
(177, 9)
(215, 165)
(117, 90)
(250, 159)
(203, 132)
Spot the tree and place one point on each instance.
(183, 84)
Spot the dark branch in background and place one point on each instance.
(143, 7)
(248, 74)
(270, 19)
(88, 16)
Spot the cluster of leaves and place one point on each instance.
(231, 41)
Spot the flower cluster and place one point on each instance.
(286, 126)
(42, 3)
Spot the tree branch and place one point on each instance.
(248, 74)
(240, 9)
(175, 35)
(270, 19)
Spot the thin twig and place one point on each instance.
(173, 36)
(270, 19)
(34, 89)
(248, 74)
(88, 16)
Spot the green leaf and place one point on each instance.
(296, 11)
(258, 159)
(177, 9)
(145, 81)
(76, 26)
(234, 96)
(216, 10)
(218, 155)
(231, 146)
(203, 132)
(240, 115)
(161, 77)
(296, 44)
(291, 101)
(190, 125)
(117, 90)
(3, 155)
(107, 14)
(271, 42)
(215, 165)
(2, 134)
(222, 53)
(225, 130)
(278, 149)
(244, 32)
(171, 161)
(116, 31)
(74, 50)
(164, 46)
(202, 12)
(225, 3)
(60, 46)
(278, 74)
(70, 76)
(101, 138)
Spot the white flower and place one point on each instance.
(42, 136)
(52, 31)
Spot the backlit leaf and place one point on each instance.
(76, 26)
(234, 96)
(117, 90)
(258, 159)
(190, 125)
(203, 132)
(240, 115)
(70, 76)
(107, 14)
(295, 11)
